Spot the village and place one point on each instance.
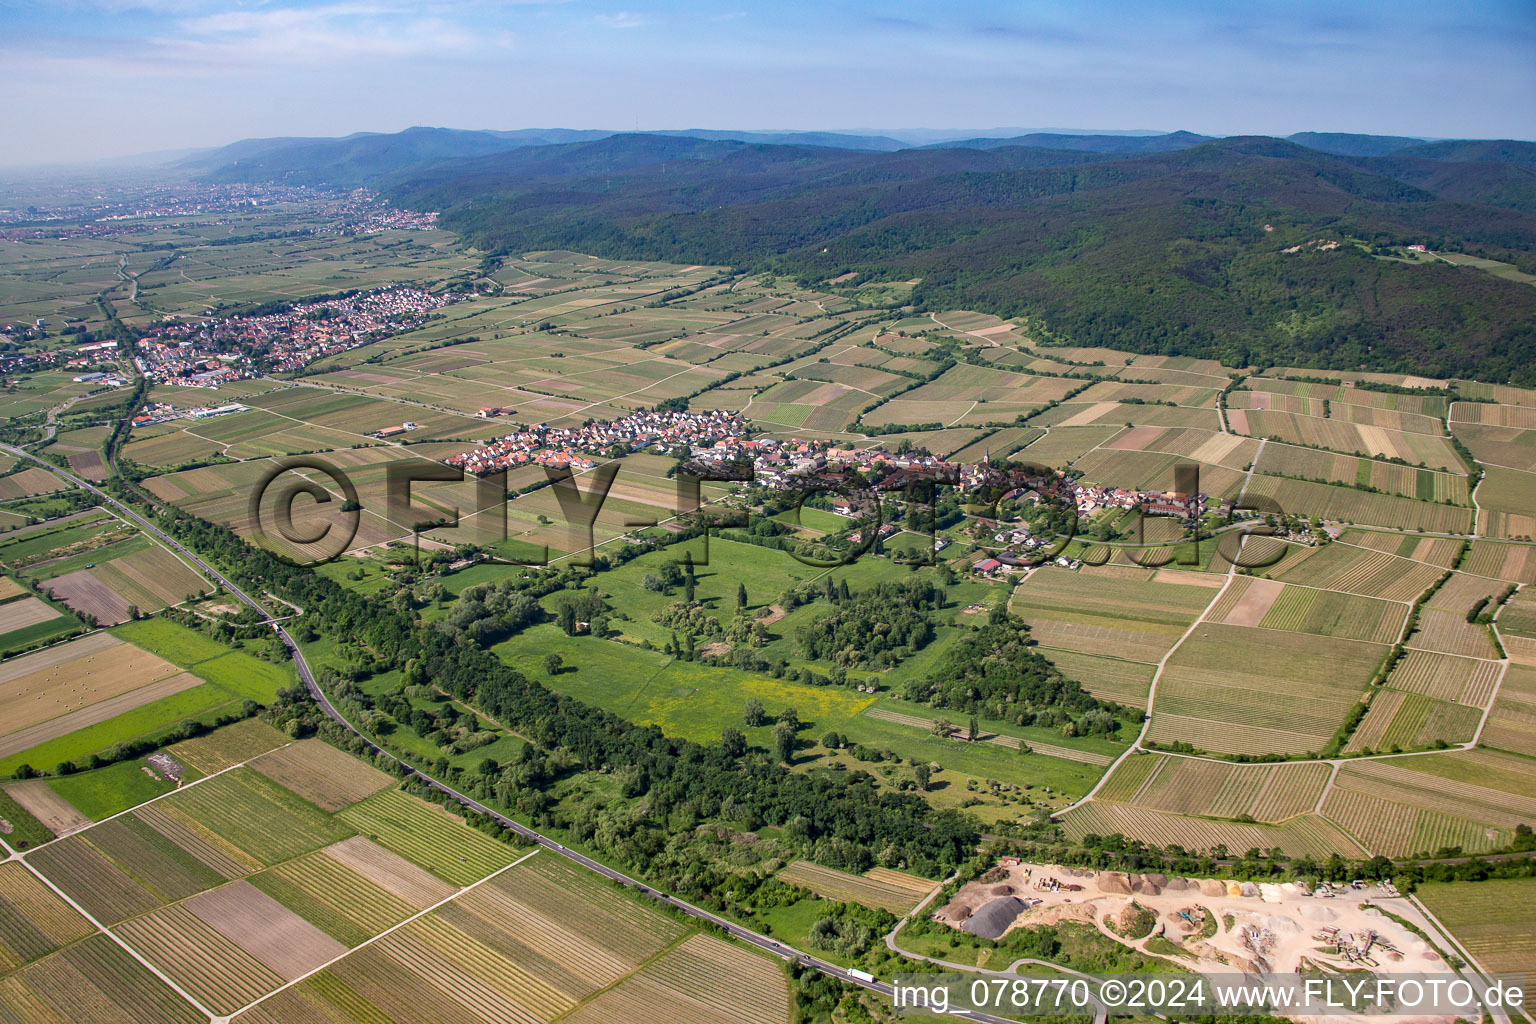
(225, 349)
(719, 444)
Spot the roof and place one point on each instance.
(987, 564)
(992, 920)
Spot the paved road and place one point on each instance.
(763, 942)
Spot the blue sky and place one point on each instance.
(81, 79)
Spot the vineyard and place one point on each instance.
(1114, 612)
(1472, 799)
(258, 817)
(541, 941)
(1445, 677)
(321, 774)
(229, 746)
(1494, 920)
(1512, 722)
(1213, 789)
(1354, 570)
(93, 980)
(217, 972)
(1348, 505)
(429, 836)
(891, 890)
(337, 900)
(1513, 562)
(1408, 481)
(1344, 616)
(1406, 721)
(34, 921)
(1307, 835)
(1235, 689)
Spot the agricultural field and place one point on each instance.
(1472, 799)
(538, 940)
(52, 693)
(1239, 689)
(1211, 789)
(1494, 921)
(1342, 566)
(1424, 447)
(1391, 477)
(1504, 501)
(889, 890)
(1110, 614)
(1306, 835)
(1352, 507)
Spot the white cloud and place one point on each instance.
(622, 19)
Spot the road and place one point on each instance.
(746, 935)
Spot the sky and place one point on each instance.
(90, 79)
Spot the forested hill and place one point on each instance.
(1174, 245)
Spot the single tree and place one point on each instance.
(741, 595)
(732, 741)
(753, 715)
(553, 663)
(922, 773)
(973, 729)
(784, 742)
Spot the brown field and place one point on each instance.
(10, 589)
(28, 611)
(29, 482)
(97, 713)
(88, 465)
(89, 596)
(897, 897)
(321, 774)
(390, 871)
(284, 942)
(229, 746)
(40, 687)
(1246, 601)
(58, 815)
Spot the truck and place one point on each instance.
(863, 976)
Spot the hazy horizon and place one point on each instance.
(98, 79)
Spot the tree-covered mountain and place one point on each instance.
(1170, 244)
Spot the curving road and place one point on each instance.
(746, 935)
